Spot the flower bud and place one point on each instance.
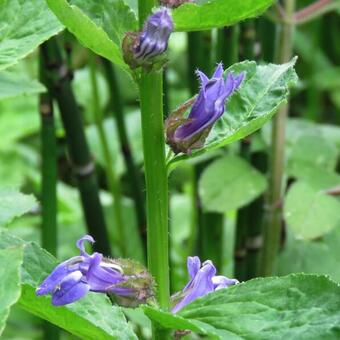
(185, 134)
(147, 48)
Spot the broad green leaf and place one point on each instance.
(12, 85)
(19, 118)
(230, 183)
(321, 256)
(297, 306)
(98, 25)
(310, 213)
(318, 178)
(25, 24)
(14, 204)
(93, 317)
(314, 150)
(207, 14)
(10, 262)
(265, 88)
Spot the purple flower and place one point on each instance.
(203, 281)
(153, 40)
(185, 134)
(73, 279)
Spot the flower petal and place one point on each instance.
(200, 285)
(203, 78)
(102, 279)
(71, 289)
(58, 274)
(238, 80)
(218, 71)
(220, 282)
(193, 265)
(80, 244)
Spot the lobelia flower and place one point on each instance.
(71, 280)
(185, 134)
(147, 47)
(203, 281)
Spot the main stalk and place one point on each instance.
(151, 96)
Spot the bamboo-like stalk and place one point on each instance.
(242, 226)
(272, 227)
(125, 146)
(60, 87)
(151, 97)
(48, 183)
(227, 45)
(247, 40)
(254, 240)
(112, 179)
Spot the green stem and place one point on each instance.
(272, 228)
(315, 10)
(60, 87)
(132, 171)
(113, 181)
(227, 45)
(155, 174)
(48, 183)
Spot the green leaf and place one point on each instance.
(93, 317)
(297, 307)
(209, 14)
(98, 25)
(230, 183)
(14, 204)
(12, 85)
(19, 118)
(25, 24)
(310, 213)
(10, 262)
(321, 256)
(265, 88)
(314, 150)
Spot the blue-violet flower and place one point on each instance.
(185, 134)
(203, 280)
(73, 279)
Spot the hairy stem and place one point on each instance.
(151, 96)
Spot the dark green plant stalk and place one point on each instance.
(227, 45)
(273, 222)
(242, 222)
(211, 237)
(113, 181)
(151, 97)
(132, 171)
(48, 183)
(60, 87)
(247, 40)
(254, 240)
